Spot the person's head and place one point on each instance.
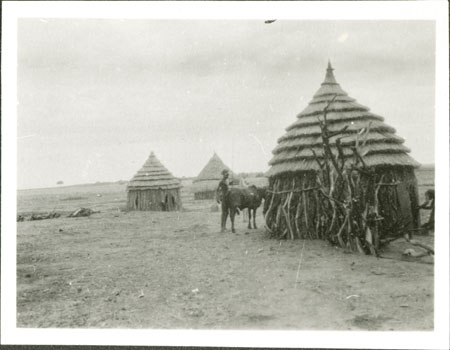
(225, 173)
(429, 195)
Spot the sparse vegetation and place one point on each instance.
(74, 198)
(91, 272)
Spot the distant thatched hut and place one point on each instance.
(297, 159)
(154, 188)
(262, 181)
(205, 184)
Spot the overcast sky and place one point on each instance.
(97, 96)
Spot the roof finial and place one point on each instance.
(329, 77)
(329, 65)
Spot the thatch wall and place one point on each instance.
(154, 199)
(309, 214)
(205, 185)
(205, 195)
(398, 199)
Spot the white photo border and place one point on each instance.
(321, 10)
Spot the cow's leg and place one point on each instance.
(254, 218)
(249, 218)
(232, 214)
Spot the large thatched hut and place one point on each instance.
(205, 184)
(154, 188)
(297, 198)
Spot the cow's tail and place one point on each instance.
(238, 211)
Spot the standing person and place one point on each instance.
(221, 197)
(429, 204)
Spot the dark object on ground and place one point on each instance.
(34, 217)
(20, 218)
(269, 21)
(82, 212)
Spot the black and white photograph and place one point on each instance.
(246, 169)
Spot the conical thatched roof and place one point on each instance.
(153, 175)
(293, 152)
(211, 174)
(212, 170)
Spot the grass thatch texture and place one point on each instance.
(348, 139)
(352, 127)
(296, 207)
(348, 116)
(325, 98)
(292, 155)
(155, 184)
(205, 186)
(153, 175)
(340, 106)
(212, 170)
(345, 117)
(154, 200)
(329, 90)
(373, 160)
(205, 195)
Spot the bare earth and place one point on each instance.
(176, 270)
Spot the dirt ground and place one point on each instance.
(177, 271)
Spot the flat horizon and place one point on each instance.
(423, 166)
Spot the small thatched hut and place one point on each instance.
(154, 188)
(205, 184)
(262, 181)
(297, 160)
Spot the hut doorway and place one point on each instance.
(169, 202)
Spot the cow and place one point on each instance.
(236, 199)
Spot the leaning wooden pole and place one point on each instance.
(324, 203)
